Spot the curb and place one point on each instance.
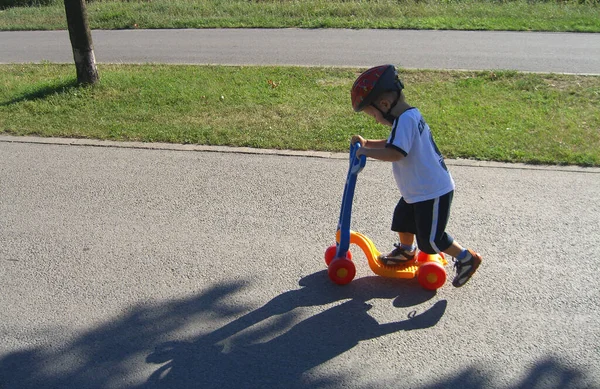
(283, 153)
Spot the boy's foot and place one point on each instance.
(397, 256)
(465, 268)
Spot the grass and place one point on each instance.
(501, 116)
(498, 116)
(520, 15)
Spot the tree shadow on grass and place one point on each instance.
(43, 92)
(269, 347)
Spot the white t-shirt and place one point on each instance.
(422, 174)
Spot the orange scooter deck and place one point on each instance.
(408, 270)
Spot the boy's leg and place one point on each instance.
(403, 224)
(407, 239)
(431, 219)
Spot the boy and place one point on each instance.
(424, 181)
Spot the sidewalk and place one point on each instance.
(140, 268)
(289, 153)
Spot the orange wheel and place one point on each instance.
(431, 275)
(330, 254)
(342, 271)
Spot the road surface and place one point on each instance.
(473, 50)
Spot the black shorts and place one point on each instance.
(427, 220)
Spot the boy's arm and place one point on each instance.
(370, 143)
(383, 153)
(376, 148)
(376, 143)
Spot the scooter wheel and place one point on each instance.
(341, 271)
(431, 275)
(331, 252)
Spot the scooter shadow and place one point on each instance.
(237, 354)
(319, 289)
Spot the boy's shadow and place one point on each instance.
(233, 356)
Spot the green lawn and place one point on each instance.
(522, 15)
(498, 116)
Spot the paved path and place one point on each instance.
(156, 268)
(524, 51)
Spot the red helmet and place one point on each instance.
(372, 83)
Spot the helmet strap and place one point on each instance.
(387, 115)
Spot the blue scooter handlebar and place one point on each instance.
(356, 164)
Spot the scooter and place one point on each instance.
(427, 268)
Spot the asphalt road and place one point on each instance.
(473, 50)
(138, 268)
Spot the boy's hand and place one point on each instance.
(359, 139)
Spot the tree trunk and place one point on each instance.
(81, 42)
